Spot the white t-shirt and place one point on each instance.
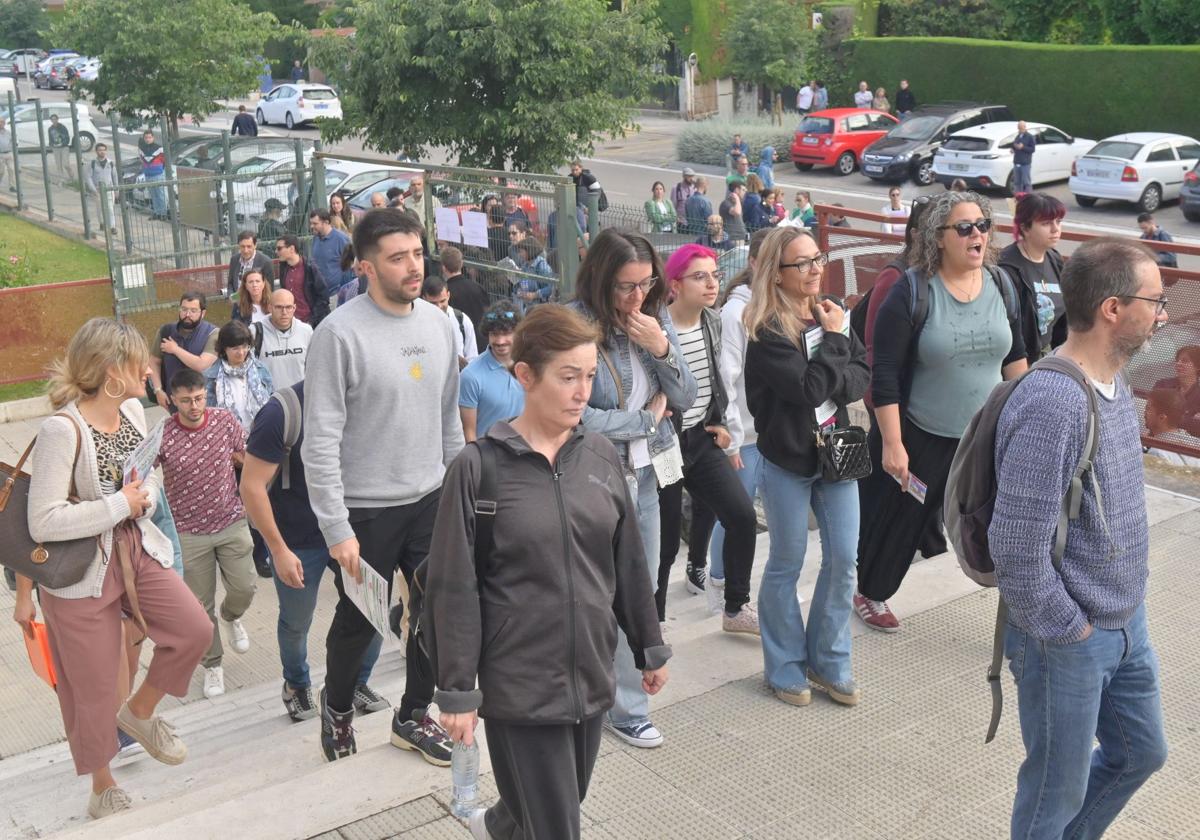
(639, 395)
(804, 98)
(902, 213)
(465, 343)
(863, 99)
(259, 314)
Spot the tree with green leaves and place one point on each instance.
(22, 24)
(169, 65)
(504, 84)
(768, 43)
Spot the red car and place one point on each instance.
(836, 137)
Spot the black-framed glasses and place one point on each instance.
(705, 277)
(1160, 303)
(806, 265)
(507, 316)
(963, 229)
(627, 289)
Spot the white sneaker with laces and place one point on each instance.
(746, 621)
(714, 592)
(111, 801)
(236, 633)
(214, 681)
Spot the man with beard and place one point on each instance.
(1076, 637)
(191, 342)
(376, 504)
(282, 340)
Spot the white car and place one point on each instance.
(25, 119)
(1144, 168)
(271, 175)
(294, 104)
(982, 155)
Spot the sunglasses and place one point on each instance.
(963, 229)
(507, 316)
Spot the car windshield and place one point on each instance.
(916, 128)
(968, 144)
(1116, 148)
(816, 125)
(318, 93)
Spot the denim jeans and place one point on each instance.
(1022, 178)
(751, 477)
(158, 195)
(632, 705)
(1104, 688)
(789, 648)
(295, 617)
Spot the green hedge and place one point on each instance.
(695, 26)
(1089, 91)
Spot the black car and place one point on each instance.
(907, 150)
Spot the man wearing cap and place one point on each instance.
(682, 192)
(487, 390)
(271, 227)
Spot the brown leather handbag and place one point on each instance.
(49, 564)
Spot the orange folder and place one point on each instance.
(39, 654)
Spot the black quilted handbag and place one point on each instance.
(843, 454)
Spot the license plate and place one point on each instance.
(872, 168)
(1095, 173)
(811, 141)
(321, 107)
(957, 167)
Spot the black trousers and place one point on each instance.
(389, 538)
(542, 773)
(894, 524)
(716, 492)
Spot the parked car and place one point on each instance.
(982, 155)
(52, 72)
(298, 103)
(837, 137)
(1189, 195)
(907, 150)
(25, 120)
(20, 62)
(194, 156)
(1145, 168)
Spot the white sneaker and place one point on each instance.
(476, 824)
(214, 681)
(236, 633)
(715, 595)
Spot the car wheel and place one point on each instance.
(86, 141)
(804, 167)
(1191, 215)
(846, 163)
(923, 174)
(288, 121)
(1151, 199)
(260, 116)
(1085, 201)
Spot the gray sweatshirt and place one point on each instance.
(381, 418)
(284, 353)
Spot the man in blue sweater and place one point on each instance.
(326, 251)
(1077, 641)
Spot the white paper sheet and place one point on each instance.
(474, 228)
(371, 598)
(826, 411)
(143, 455)
(448, 228)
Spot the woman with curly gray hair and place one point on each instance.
(947, 333)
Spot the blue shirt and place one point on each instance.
(1024, 154)
(487, 386)
(327, 257)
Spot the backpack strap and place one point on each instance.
(257, 327)
(289, 401)
(485, 501)
(918, 301)
(1008, 292)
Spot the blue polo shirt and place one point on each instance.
(487, 386)
(327, 257)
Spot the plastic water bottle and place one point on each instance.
(464, 773)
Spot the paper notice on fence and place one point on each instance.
(371, 598)
(474, 228)
(143, 455)
(826, 411)
(448, 229)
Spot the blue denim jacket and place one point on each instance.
(669, 375)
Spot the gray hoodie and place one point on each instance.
(284, 353)
(733, 363)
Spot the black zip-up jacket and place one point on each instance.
(538, 625)
(783, 389)
(315, 291)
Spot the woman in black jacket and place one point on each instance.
(536, 622)
(1035, 266)
(794, 382)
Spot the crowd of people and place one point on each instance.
(658, 377)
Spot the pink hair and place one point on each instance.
(683, 257)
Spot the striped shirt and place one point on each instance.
(695, 353)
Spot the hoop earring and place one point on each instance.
(113, 396)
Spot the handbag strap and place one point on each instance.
(608, 362)
(125, 538)
(10, 478)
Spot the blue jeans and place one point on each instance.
(158, 195)
(632, 704)
(295, 617)
(751, 477)
(790, 649)
(1022, 178)
(1103, 688)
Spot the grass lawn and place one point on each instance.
(43, 257)
(22, 390)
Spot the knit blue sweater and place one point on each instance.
(1039, 440)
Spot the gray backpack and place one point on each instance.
(292, 420)
(971, 499)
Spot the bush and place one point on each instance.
(705, 142)
(1091, 91)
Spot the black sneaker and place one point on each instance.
(263, 567)
(695, 579)
(423, 736)
(337, 734)
(367, 700)
(298, 702)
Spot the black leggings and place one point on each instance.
(716, 492)
(894, 524)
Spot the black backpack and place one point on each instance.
(858, 315)
(420, 619)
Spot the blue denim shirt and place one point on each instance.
(669, 375)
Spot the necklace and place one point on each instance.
(956, 290)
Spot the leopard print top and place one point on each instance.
(111, 453)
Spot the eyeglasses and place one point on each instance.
(963, 229)
(705, 277)
(807, 265)
(627, 289)
(1160, 303)
(284, 307)
(200, 400)
(191, 311)
(507, 316)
